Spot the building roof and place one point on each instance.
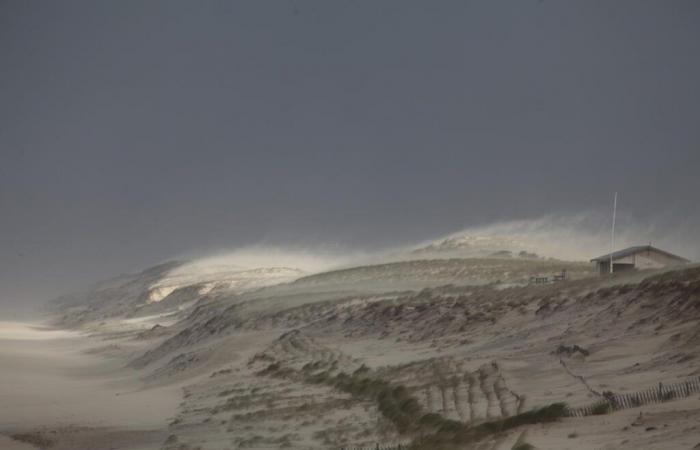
(636, 249)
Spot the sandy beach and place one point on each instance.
(48, 383)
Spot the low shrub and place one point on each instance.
(451, 434)
(601, 408)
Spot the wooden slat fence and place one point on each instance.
(659, 394)
(613, 402)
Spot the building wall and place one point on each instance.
(629, 259)
(618, 267)
(602, 267)
(646, 259)
(654, 260)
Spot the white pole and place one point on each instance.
(612, 241)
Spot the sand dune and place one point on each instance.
(329, 362)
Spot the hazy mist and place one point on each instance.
(135, 132)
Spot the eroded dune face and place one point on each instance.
(387, 353)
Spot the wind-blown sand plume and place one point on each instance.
(564, 236)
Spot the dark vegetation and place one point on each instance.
(571, 350)
(35, 439)
(601, 408)
(523, 446)
(396, 404)
(454, 435)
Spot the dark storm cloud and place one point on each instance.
(134, 131)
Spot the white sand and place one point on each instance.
(46, 380)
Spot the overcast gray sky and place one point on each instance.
(134, 131)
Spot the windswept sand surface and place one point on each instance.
(48, 381)
(315, 366)
(467, 354)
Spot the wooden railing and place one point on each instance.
(659, 394)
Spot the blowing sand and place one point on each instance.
(49, 384)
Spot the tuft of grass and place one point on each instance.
(570, 350)
(601, 408)
(523, 446)
(449, 434)
(431, 420)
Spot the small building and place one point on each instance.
(639, 257)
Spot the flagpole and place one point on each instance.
(612, 240)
